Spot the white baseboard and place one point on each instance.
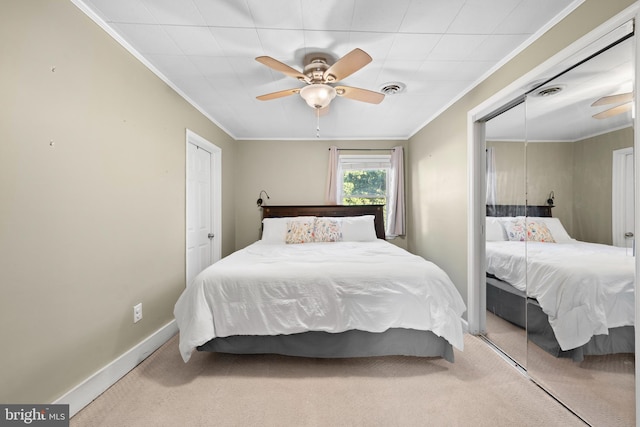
(85, 392)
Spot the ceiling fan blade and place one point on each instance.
(614, 99)
(358, 94)
(347, 65)
(279, 94)
(613, 111)
(282, 67)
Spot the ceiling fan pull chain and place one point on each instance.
(318, 123)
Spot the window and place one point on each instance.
(364, 180)
(367, 180)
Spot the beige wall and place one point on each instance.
(579, 173)
(291, 172)
(437, 216)
(94, 223)
(438, 161)
(593, 161)
(549, 167)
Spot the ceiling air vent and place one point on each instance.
(549, 91)
(392, 88)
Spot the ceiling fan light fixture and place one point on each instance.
(318, 95)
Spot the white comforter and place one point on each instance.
(270, 289)
(584, 288)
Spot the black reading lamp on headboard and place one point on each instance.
(551, 199)
(260, 201)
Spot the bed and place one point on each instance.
(322, 282)
(574, 298)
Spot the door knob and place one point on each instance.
(211, 235)
(628, 234)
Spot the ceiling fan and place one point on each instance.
(319, 75)
(625, 101)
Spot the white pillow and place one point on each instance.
(358, 229)
(274, 230)
(495, 231)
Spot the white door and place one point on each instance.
(202, 206)
(623, 227)
(629, 226)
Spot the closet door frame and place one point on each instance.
(476, 145)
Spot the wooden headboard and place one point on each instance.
(329, 210)
(519, 210)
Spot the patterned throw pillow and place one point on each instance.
(531, 231)
(299, 232)
(327, 230)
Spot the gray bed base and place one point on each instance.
(506, 302)
(353, 343)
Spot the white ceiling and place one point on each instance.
(439, 49)
(568, 114)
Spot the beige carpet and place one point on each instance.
(601, 389)
(508, 337)
(479, 389)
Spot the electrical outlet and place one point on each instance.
(137, 313)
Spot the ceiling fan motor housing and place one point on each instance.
(315, 69)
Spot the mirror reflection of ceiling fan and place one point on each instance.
(319, 75)
(624, 101)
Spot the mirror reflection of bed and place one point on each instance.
(569, 320)
(575, 306)
(579, 296)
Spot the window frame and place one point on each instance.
(363, 162)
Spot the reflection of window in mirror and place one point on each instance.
(506, 305)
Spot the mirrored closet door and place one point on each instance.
(506, 179)
(562, 162)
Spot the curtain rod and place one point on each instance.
(365, 149)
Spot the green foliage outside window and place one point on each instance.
(365, 187)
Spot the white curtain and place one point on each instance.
(331, 195)
(491, 176)
(395, 198)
